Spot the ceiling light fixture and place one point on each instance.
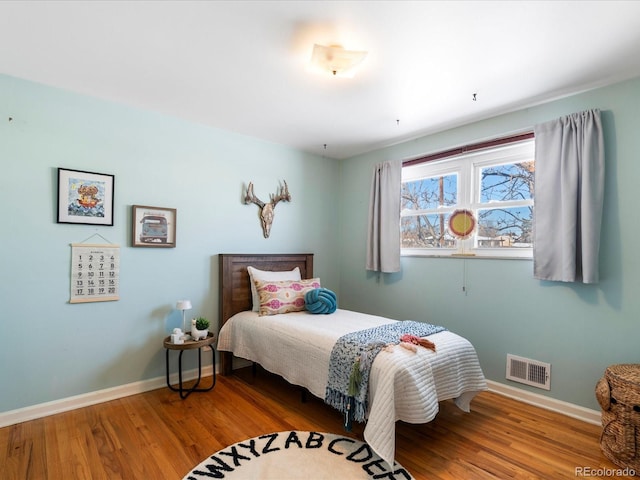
(336, 60)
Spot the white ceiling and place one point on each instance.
(242, 65)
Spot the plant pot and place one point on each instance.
(198, 334)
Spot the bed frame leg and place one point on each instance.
(226, 363)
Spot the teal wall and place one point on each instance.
(52, 349)
(579, 329)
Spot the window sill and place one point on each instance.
(465, 256)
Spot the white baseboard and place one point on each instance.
(71, 403)
(78, 401)
(569, 409)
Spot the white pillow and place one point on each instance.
(268, 276)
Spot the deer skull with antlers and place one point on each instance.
(267, 209)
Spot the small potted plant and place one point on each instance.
(199, 328)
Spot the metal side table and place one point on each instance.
(181, 348)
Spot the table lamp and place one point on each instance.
(183, 305)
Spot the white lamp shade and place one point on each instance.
(183, 305)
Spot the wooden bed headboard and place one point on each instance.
(235, 288)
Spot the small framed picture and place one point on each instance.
(85, 197)
(153, 226)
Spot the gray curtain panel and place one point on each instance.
(569, 192)
(383, 240)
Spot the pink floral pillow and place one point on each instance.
(283, 296)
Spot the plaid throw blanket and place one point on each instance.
(351, 360)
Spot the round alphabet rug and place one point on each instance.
(297, 455)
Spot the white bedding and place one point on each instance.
(403, 385)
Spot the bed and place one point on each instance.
(404, 384)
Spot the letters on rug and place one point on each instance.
(297, 455)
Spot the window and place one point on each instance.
(495, 184)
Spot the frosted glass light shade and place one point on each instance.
(336, 60)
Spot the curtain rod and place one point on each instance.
(469, 148)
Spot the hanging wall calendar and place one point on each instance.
(95, 273)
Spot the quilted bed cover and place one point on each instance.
(403, 385)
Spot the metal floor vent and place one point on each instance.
(529, 372)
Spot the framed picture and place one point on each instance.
(85, 197)
(153, 226)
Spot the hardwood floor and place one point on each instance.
(155, 435)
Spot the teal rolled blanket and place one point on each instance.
(321, 300)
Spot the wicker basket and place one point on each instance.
(618, 393)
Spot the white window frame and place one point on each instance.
(468, 167)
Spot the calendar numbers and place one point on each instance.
(95, 273)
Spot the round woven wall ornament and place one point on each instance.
(462, 223)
